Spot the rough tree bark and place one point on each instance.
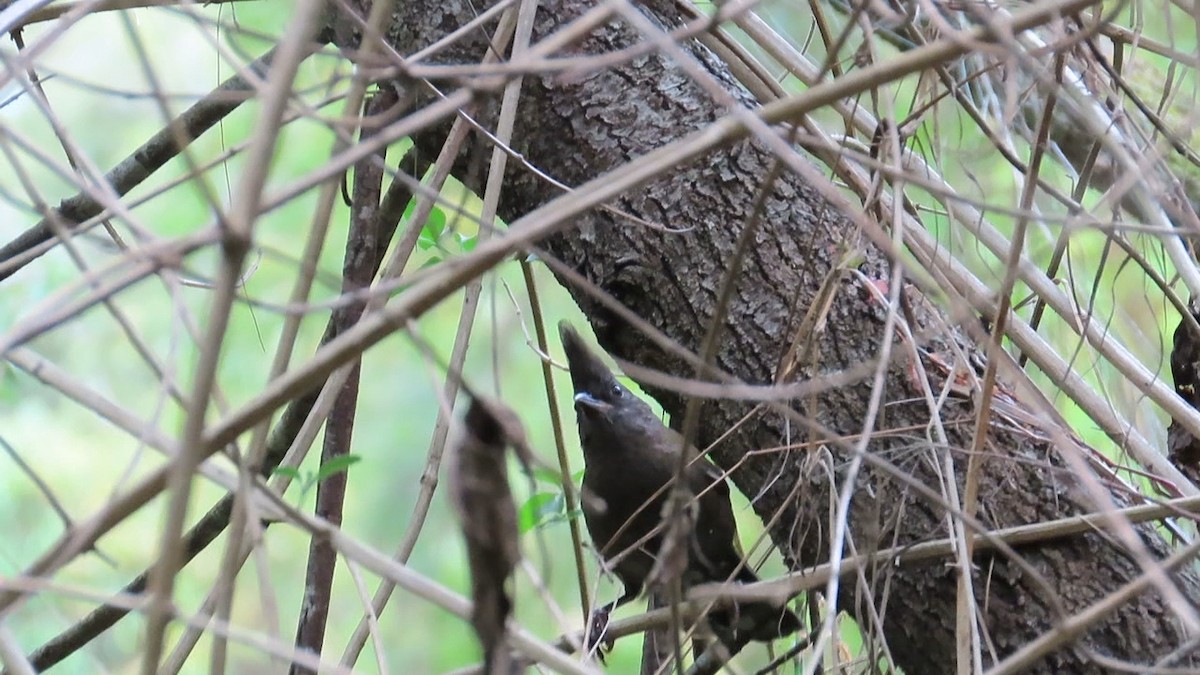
(574, 131)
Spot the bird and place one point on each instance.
(630, 462)
(1185, 370)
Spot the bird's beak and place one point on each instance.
(588, 401)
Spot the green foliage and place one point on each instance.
(434, 228)
(337, 465)
(541, 506)
(547, 507)
(308, 479)
(437, 238)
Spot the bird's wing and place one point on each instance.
(700, 474)
(715, 551)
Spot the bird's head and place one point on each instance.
(603, 405)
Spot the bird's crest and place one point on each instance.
(588, 372)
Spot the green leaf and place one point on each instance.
(425, 242)
(435, 226)
(468, 243)
(437, 220)
(290, 472)
(552, 512)
(336, 465)
(560, 517)
(536, 508)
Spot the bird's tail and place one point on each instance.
(758, 620)
(747, 620)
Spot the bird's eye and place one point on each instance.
(618, 391)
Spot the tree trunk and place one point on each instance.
(576, 129)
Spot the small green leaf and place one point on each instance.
(468, 243)
(560, 517)
(336, 465)
(534, 510)
(552, 512)
(290, 472)
(435, 226)
(437, 220)
(426, 241)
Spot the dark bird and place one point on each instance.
(479, 489)
(631, 459)
(1185, 370)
